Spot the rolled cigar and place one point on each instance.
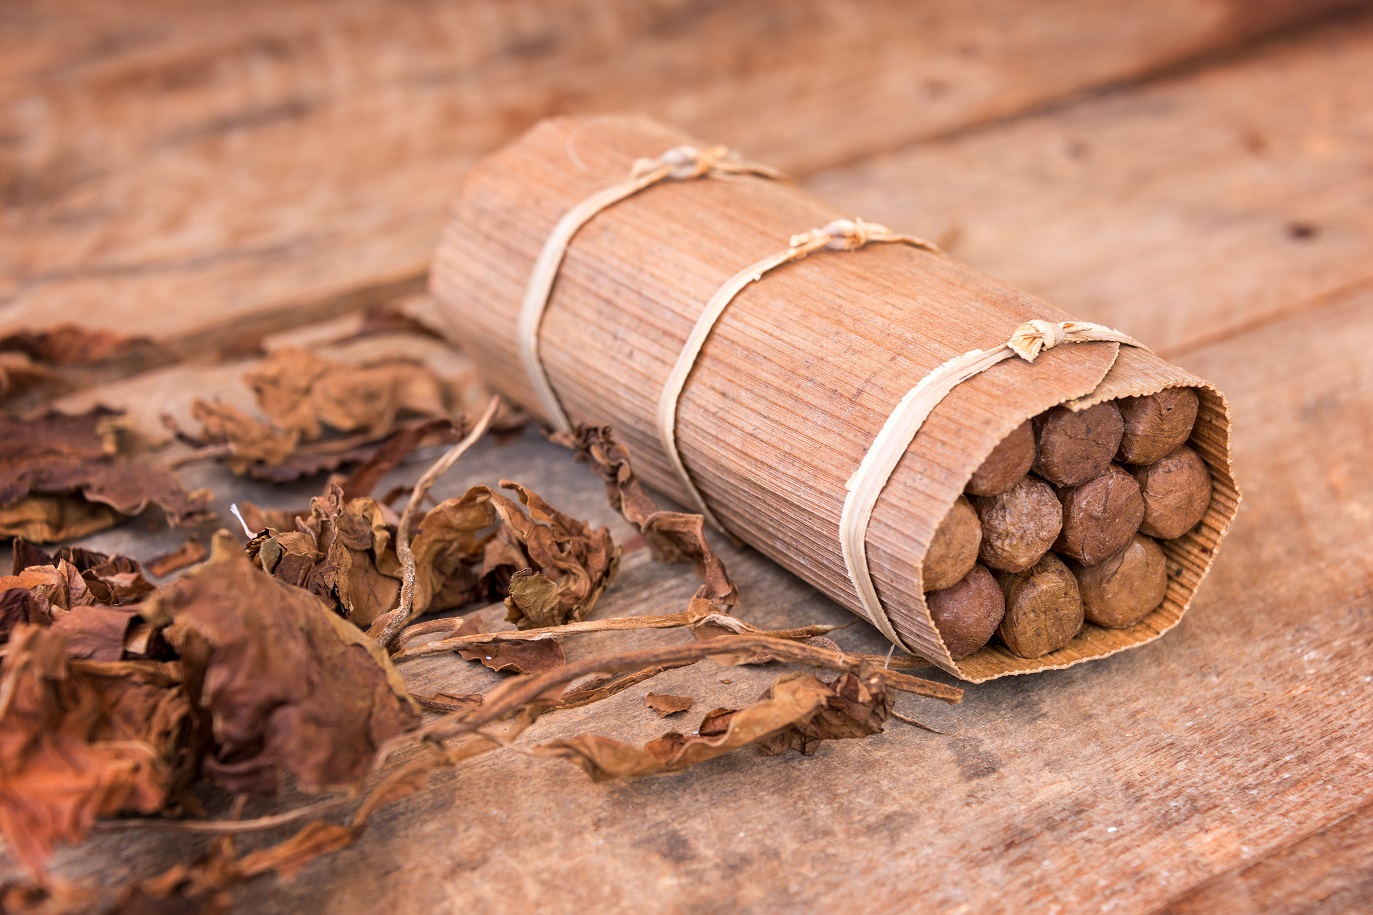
(1043, 608)
(1100, 516)
(953, 550)
(1007, 464)
(1072, 448)
(1176, 493)
(968, 613)
(1124, 588)
(1019, 526)
(1156, 425)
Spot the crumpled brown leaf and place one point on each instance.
(88, 597)
(530, 657)
(287, 684)
(665, 704)
(61, 478)
(80, 740)
(28, 358)
(343, 551)
(320, 414)
(798, 712)
(672, 536)
(188, 554)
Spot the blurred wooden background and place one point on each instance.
(225, 176)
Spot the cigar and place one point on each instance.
(1007, 464)
(1072, 448)
(953, 550)
(1125, 588)
(1156, 425)
(1019, 526)
(1100, 516)
(1043, 608)
(1176, 491)
(968, 613)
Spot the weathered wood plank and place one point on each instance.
(1124, 783)
(177, 170)
(1326, 871)
(1178, 212)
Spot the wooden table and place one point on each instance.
(1200, 174)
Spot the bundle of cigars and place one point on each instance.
(1057, 495)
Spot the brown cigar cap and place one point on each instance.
(1072, 448)
(1156, 425)
(1019, 526)
(1043, 608)
(1100, 516)
(953, 551)
(1007, 464)
(1124, 588)
(968, 613)
(1176, 491)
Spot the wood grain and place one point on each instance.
(1121, 784)
(1179, 212)
(177, 170)
(1325, 871)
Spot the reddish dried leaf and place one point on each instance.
(61, 479)
(79, 741)
(672, 536)
(183, 557)
(666, 704)
(321, 415)
(797, 712)
(287, 858)
(289, 686)
(518, 657)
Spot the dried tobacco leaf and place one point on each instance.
(798, 712)
(28, 358)
(287, 684)
(188, 554)
(321, 414)
(666, 704)
(81, 740)
(88, 597)
(61, 478)
(672, 536)
(110, 577)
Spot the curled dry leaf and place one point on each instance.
(468, 546)
(797, 713)
(188, 554)
(80, 740)
(61, 478)
(522, 657)
(666, 704)
(287, 685)
(28, 358)
(88, 597)
(320, 414)
(672, 536)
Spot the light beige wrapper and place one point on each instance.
(798, 375)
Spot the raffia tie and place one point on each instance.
(839, 235)
(681, 163)
(863, 488)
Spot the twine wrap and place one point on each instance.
(839, 235)
(681, 163)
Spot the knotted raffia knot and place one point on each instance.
(842, 235)
(685, 162)
(1035, 336)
